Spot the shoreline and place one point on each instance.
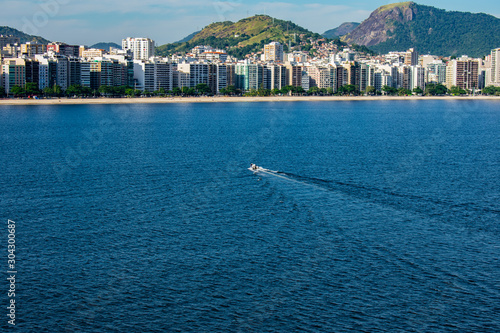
(225, 99)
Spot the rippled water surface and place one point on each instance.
(370, 216)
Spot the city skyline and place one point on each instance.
(168, 21)
(74, 69)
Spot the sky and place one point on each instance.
(85, 22)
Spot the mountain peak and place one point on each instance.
(398, 5)
(243, 37)
(399, 26)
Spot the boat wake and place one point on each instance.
(453, 218)
(429, 206)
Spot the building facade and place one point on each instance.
(198, 73)
(463, 73)
(411, 57)
(249, 76)
(141, 48)
(30, 49)
(494, 78)
(13, 73)
(273, 52)
(64, 49)
(294, 73)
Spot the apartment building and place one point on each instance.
(92, 53)
(319, 77)
(275, 76)
(144, 75)
(273, 52)
(294, 73)
(32, 71)
(249, 76)
(417, 77)
(411, 57)
(13, 73)
(154, 75)
(198, 73)
(462, 73)
(64, 49)
(141, 48)
(436, 72)
(404, 77)
(217, 77)
(353, 73)
(231, 78)
(495, 67)
(163, 75)
(30, 49)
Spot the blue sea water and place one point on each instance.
(373, 217)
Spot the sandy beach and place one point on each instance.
(216, 99)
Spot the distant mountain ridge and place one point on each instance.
(245, 36)
(7, 31)
(341, 30)
(399, 26)
(188, 37)
(105, 46)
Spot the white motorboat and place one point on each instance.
(254, 168)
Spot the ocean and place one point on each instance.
(371, 216)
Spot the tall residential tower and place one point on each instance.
(142, 48)
(273, 52)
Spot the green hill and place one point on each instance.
(7, 31)
(243, 37)
(399, 26)
(105, 46)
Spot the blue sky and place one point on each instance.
(91, 21)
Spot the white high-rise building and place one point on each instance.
(487, 77)
(198, 73)
(153, 75)
(495, 67)
(141, 48)
(417, 77)
(144, 75)
(53, 69)
(386, 80)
